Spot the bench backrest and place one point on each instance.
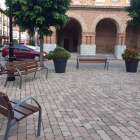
(91, 57)
(21, 65)
(5, 105)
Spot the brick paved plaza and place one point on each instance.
(84, 104)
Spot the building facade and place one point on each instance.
(4, 27)
(96, 26)
(24, 36)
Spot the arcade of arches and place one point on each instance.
(95, 30)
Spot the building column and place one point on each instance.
(120, 47)
(138, 39)
(79, 43)
(88, 46)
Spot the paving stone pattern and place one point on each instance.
(84, 104)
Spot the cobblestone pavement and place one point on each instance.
(84, 104)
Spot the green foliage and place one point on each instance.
(31, 42)
(59, 52)
(130, 54)
(134, 13)
(41, 14)
(15, 42)
(138, 57)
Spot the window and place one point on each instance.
(23, 48)
(127, 1)
(115, 0)
(22, 35)
(14, 35)
(15, 48)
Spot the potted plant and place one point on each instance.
(59, 57)
(131, 57)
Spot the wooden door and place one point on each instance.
(66, 44)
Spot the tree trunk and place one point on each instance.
(41, 50)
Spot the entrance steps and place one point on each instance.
(109, 56)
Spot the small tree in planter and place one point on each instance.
(59, 57)
(131, 57)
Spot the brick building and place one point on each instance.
(4, 27)
(96, 26)
(24, 36)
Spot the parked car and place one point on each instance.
(37, 48)
(2, 47)
(23, 52)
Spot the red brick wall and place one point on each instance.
(89, 19)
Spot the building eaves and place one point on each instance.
(2, 11)
(97, 7)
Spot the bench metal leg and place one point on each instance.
(46, 73)
(7, 129)
(20, 84)
(77, 64)
(45, 65)
(105, 65)
(34, 74)
(39, 123)
(6, 81)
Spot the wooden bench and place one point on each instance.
(17, 110)
(92, 59)
(25, 67)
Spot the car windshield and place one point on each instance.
(30, 48)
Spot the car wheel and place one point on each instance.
(37, 57)
(6, 57)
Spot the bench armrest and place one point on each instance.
(18, 71)
(24, 100)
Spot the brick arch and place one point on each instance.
(113, 17)
(79, 19)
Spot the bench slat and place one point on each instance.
(22, 110)
(18, 116)
(23, 65)
(25, 105)
(22, 69)
(20, 62)
(27, 72)
(3, 111)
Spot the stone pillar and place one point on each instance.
(93, 38)
(88, 46)
(79, 43)
(138, 40)
(120, 47)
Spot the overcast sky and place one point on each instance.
(2, 4)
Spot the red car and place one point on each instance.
(23, 52)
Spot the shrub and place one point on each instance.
(31, 42)
(15, 42)
(59, 52)
(130, 54)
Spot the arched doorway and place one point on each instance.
(69, 37)
(131, 40)
(105, 39)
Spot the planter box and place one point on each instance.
(60, 65)
(131, 66)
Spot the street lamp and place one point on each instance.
(11, 55)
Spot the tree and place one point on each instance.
(40, 14)
(134, 13)
(15, 41)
